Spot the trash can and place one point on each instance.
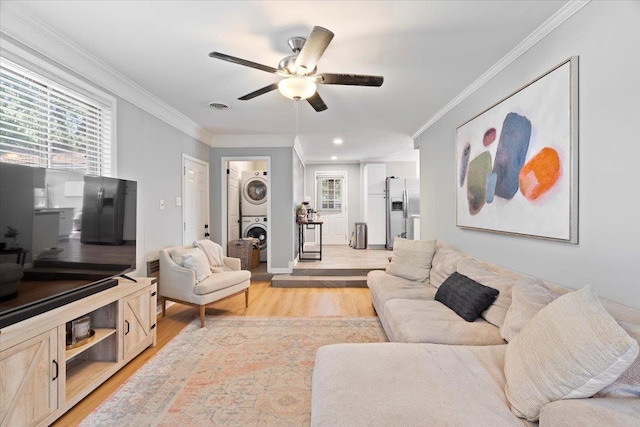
(361, 235)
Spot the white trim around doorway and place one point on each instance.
(223, 202)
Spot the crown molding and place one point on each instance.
(36, 35)
(565, 12)
(253, 141)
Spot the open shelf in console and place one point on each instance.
(88, 362)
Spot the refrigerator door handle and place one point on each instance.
(405, 201)
(100, 199)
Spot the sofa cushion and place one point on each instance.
(421, 321)
(223, 280)
(466, 297)
(386, 286)
(571, 349)
(412, 259)
(391, 384)
(528, 297)
(610, 412)
(196, 260)
(495, 277)
(445, 261)
(627, 384)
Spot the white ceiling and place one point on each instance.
(427, 51)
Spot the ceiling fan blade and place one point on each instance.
(241, 61)
(313, 49)
(349, 79)
(259, 92)
(317, 103)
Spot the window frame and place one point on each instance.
(63, 80)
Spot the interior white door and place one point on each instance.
(195, 208)
(233, 201)
(331, 202)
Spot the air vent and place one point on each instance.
(218, 106)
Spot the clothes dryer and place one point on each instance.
(256, 227)
(254, 193)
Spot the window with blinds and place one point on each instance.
(330, 193)
(45, 124)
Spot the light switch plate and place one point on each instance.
(178, 201)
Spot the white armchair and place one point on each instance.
(179, 284)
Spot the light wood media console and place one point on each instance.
(40, 379)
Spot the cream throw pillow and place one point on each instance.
(528, 297)
(571, 349)
(196, 260)
(412, 259)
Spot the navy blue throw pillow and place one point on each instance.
(466, 297)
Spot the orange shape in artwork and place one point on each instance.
(540, 174)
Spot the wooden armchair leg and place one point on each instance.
(202, 316)
(246, 298)
(164, 306)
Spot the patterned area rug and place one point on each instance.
(236, 371)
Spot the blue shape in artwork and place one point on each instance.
(491, 186)
(511, 154)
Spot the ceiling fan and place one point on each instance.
(299, 70)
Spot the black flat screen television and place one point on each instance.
(70, 235)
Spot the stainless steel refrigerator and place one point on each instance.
(403, 201)
(103, 210)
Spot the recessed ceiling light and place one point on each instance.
(338, 141)
(334, 157)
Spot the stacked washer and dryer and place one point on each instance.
(253, 208)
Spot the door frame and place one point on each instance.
(224, 210)
(345, 198)
(206, 165)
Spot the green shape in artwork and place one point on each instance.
(479, 168)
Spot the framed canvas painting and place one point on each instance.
(517, 161)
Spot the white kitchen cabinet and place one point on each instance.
(375, 175)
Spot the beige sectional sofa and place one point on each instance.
(439, 369)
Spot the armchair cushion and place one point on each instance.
(196, 260)
(216, 282)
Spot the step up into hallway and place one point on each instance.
(341, 267)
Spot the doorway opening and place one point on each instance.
(331, 200)
(246, 208)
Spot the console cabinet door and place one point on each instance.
(137, 322)
(29, 380)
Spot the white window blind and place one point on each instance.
(45, 124)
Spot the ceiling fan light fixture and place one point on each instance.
(297, 88)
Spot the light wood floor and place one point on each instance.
(264, 301)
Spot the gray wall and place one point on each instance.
(608, 255)
(354, 212)
(282, 211)
(150, 152)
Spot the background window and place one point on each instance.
(45, 124)
(330, 193)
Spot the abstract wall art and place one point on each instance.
(517, 161)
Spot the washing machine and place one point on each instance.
(256, 227)
(254, 193)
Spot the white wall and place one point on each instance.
(606, 37)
